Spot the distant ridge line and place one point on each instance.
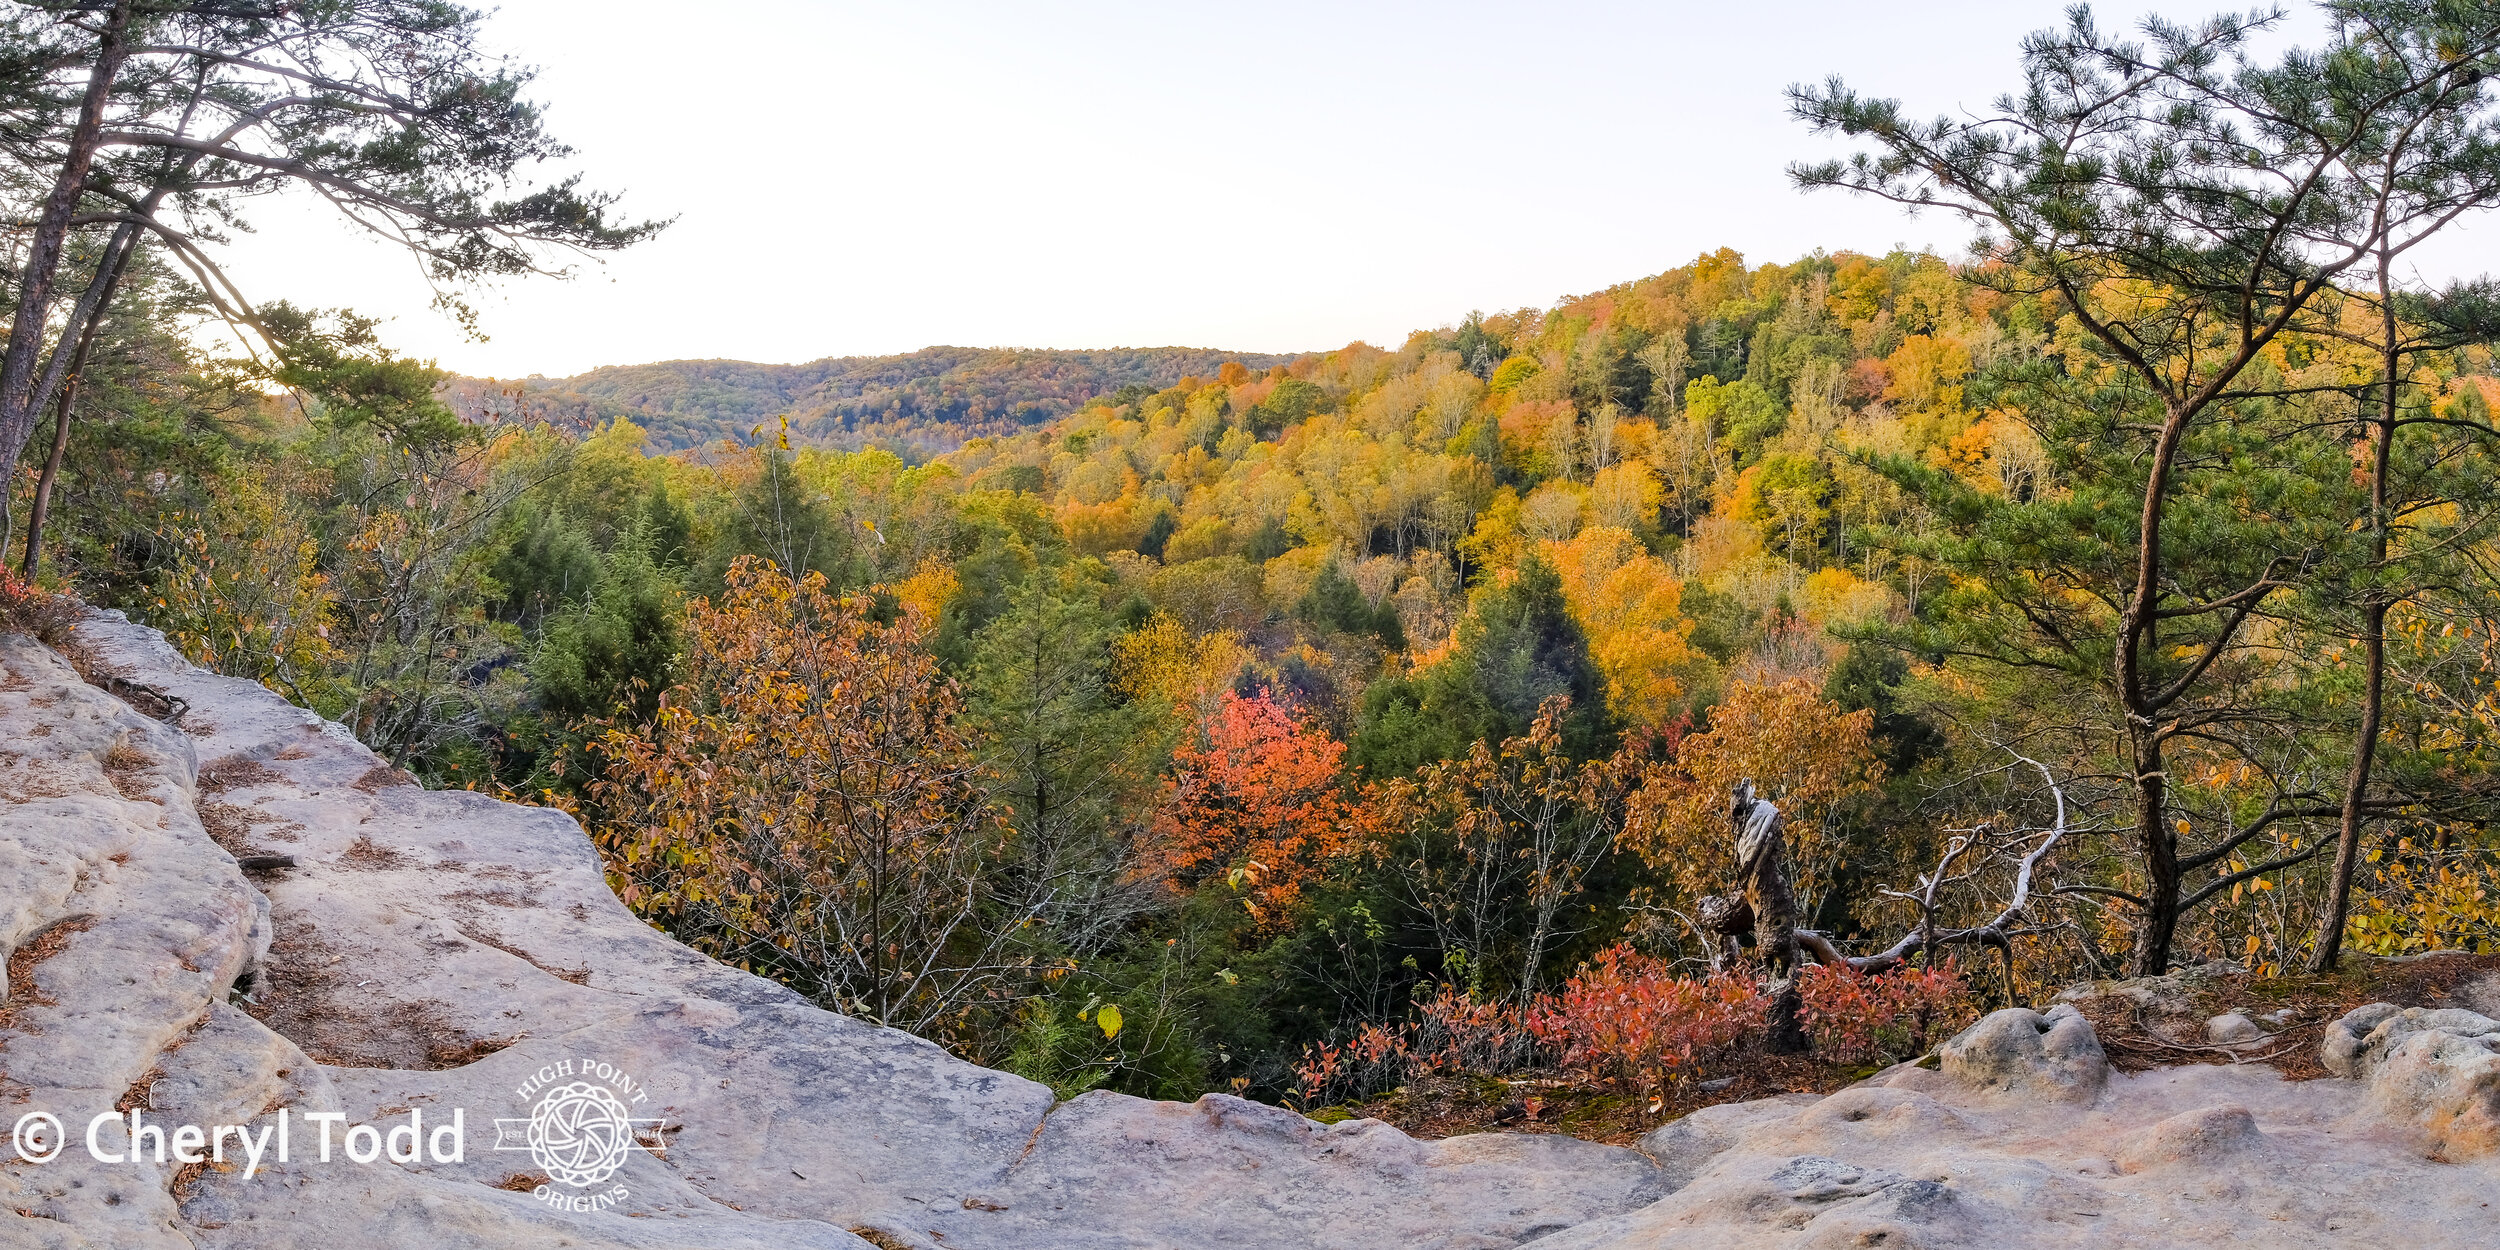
(919, 403)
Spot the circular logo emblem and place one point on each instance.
(579, 1133)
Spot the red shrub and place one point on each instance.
(1453, 1033)
(1627, 1017)
(26, 608)
(1854, 1018)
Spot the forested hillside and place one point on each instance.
(1792, 654)
(920, 404)
(1240, 690)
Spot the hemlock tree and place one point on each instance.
(1517, 648)
(2188, 208)
(156, 120)
(1072, 763)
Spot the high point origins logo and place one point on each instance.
(581, 1131)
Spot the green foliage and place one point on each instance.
(1290, 404)
(610, 654)
(1517, 647)
(1336, 603)
(1869, 676)
(337, 358)
(1746, 414)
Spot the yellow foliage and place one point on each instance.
(1719, 542)
(1160, 661)
(1287, 578)
(1629, 604)
(1625, 495)
(244, 594)
(928, 588)
(2438, 907)
(1836, 596)
(1803, 753)
(1927, 372)
(1094, 528)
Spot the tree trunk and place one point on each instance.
(2138, 638)
(83, 323)
(43, 251)
(2160, 847)
(2328, 949)
(51, 470)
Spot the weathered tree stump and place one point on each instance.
(1762, 877)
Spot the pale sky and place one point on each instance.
(856, 179)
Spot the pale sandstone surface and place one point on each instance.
(434, 949)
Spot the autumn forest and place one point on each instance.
(2114, 597)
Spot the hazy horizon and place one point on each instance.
(873, 182)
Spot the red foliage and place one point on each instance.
(1454, 1032)
(1628, 1018)
(1867, 379)
(1258, 796)
(1854, 1018)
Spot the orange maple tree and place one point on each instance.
(1257, 795)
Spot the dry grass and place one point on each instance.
(234, 772)
(1559, 1102)
(381, 777)
(498, 897)
(47, 942)
(187, 1179)
(138, 1096)
(578, 976)
(368, 855)
(308, 993)
(228, 826)
(462, 1054)
(130, 770)
(521, 1182)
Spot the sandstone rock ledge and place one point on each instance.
(432, 950)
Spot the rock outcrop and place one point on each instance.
(435, 958)
(436, 950)
(2436, 1068)
(2029, 1057)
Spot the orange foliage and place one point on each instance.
(1258, 795)
(1803, 753)
(1629, 604)
(806, 803)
